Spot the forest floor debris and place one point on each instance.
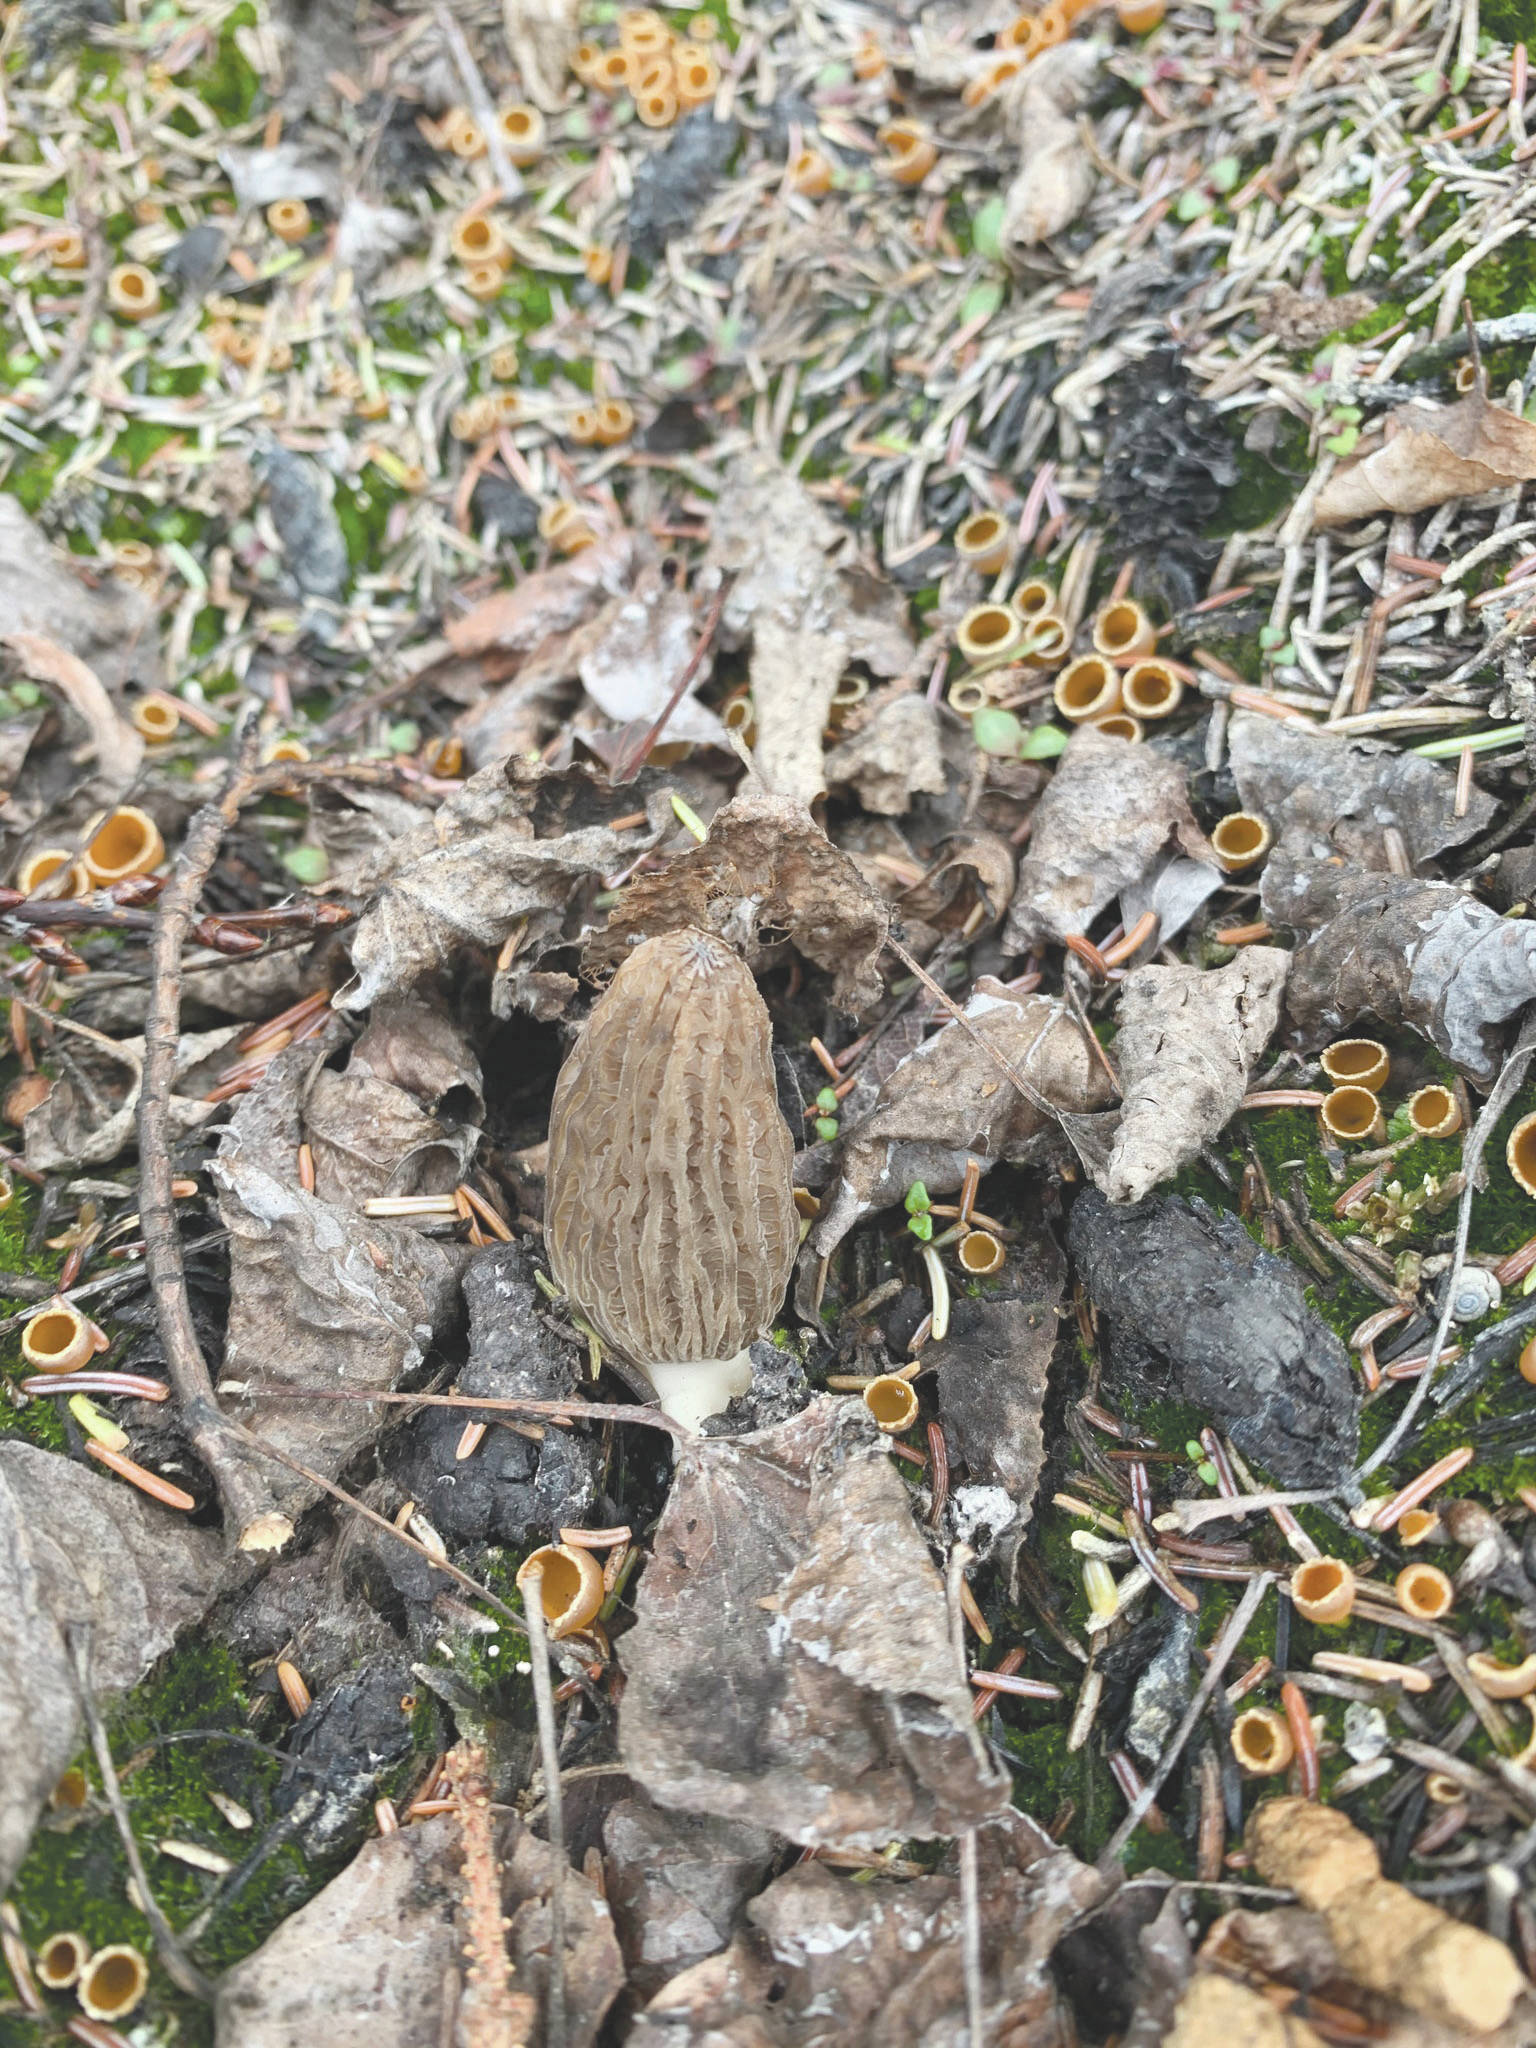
(1013, 533)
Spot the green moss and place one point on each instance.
(228, 86)
(1265, 485)
(1505, 281)
(75, 1874)
(35, 1422)
(1511, 21)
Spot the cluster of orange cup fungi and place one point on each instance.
(1029, 34)
(664, 74)
(118, 844)
(1351, 1114)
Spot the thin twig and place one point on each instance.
(259, 1444)
(1025, 1087)
(970, 1884)
(559, 1411)
(1221, 1656)
(479, 101)
(630, 762)
(252, 1520)
(1504, 1090)
(178, 1965)
(554, 1816)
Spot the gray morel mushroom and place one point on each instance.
(669, 1211)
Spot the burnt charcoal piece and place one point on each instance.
(779, 1389)
(511, 1489)
(673, 185)
(676, 429)
(1167, 468)
(197, 258)
(314, 547)
(1195, 1311)
(350, 1738)
(498, 501)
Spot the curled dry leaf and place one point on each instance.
(79, 1123)
(676, 1883)
(1173, 1281)
(808, 605)
(992, 1373)
(894, 757)
(107, 625)
(321, 1298)
(76, 1546)
(358, 827)
(1108, 814)
(1324, 797)
(761, 1683)
(549, 601)
(1187, 1042)
(766, 866)
(402, 1118)
(632, 656)
(484, 866)
(111, 742)
(845, 1964)
(1436, 453)
(376, 1959)
(1406, 952)
(1056, 173)
(949, 1102)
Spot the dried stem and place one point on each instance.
(178, 1965)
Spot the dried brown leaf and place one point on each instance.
(894, 757)
(76, 1546)
(846, 1964)
(808, 606)
(108, 626)
(110, 740)
(992, 1373)
(1107, 815)
(949, 1102)
(1187, 1042)
(763, 1684)
(1436, 453)
(676, 1883)
(379, 1126)
(86, 1122)
(632, 656)
(321, 1297)
(484, 866)
(375, 1960)
(1057, 173)
(549, 601)
(1402, 951)
(766, 866)
(1324, 796)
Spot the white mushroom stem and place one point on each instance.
(699, 1387)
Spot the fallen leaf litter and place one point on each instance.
(1006, 533)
